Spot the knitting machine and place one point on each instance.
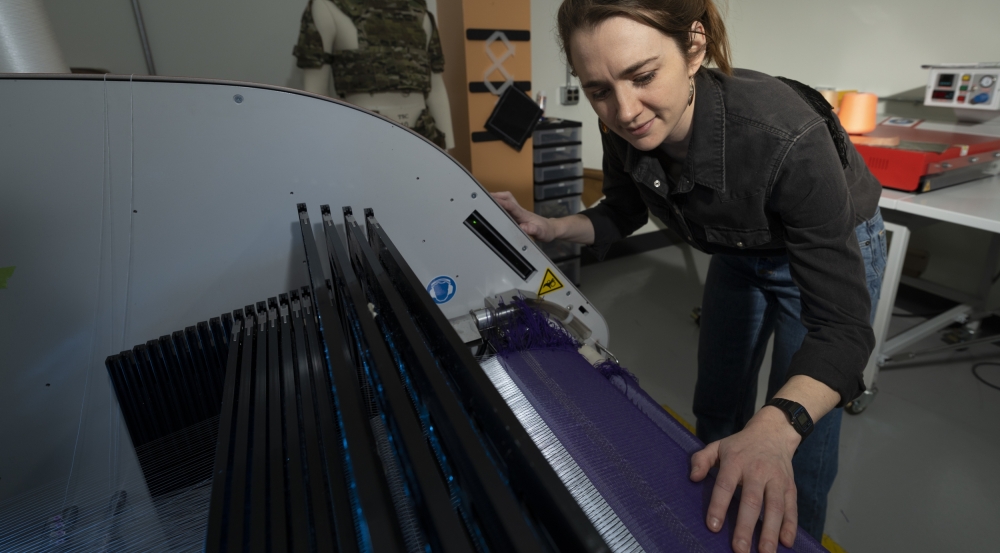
(406, 380)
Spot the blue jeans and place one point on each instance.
(746, 300)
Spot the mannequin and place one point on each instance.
(409, 103)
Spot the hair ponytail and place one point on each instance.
(717, 48)
(671, 17)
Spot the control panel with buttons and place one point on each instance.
(972, 86)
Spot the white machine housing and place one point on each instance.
(136, 206)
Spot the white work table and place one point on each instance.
(973, 204)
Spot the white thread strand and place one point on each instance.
(111, 241)
(93, 336)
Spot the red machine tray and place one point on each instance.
(903, 167)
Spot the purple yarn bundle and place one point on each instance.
(609, 368)
(529, 328)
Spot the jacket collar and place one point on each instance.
(706, 158)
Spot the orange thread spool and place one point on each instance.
(858, 112)
(831, 96)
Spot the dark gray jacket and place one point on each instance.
(762, 177)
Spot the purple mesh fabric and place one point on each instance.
(669, 425)
(638, 461)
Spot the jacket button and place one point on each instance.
(656, 183)
(739, 244)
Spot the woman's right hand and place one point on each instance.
(540, 228)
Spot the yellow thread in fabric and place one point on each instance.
(680, 419)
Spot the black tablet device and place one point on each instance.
(514, 117)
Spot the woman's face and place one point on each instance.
(636, 78)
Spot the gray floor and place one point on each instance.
(919, 469)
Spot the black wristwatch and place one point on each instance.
(797, 415)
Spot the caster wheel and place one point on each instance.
(858, 406)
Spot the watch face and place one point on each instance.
(803, 419)
(797, 415)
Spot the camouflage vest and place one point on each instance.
(393, 52)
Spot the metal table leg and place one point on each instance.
(962, 313)
(899, 238)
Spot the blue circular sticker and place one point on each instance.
(442, 289)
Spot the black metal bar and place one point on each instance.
(216, 347)
(174, 410)
(146, 406)
(300, 519)
(127, 395)
(438, 514)
(240, 480)
(152, 383)
(197, 382)
(322, 517)
(225, 333)
(480, 87)
(224, 447)
(194, 388)
(201, 354)
(275, 438)
(212, 379)
(258, 464)
(499, 509)
(130, 400)
(189, 394)
(332, 456)
(366, 467)
(214, 355)
(531, 476)
(483, 34)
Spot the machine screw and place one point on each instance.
(473, 195)
(238, 98)
(524, 248)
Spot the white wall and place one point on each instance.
(548, 73)
(246, 40)
(876, 46)
(100, 34)
(243, 40)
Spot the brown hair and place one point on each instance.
(671, 17)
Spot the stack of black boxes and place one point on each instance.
(558, 184)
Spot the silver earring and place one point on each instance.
(690, 90)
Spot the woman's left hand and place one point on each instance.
(760, 459)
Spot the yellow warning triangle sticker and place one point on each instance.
(550, 283)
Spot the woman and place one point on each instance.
(751, 169)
